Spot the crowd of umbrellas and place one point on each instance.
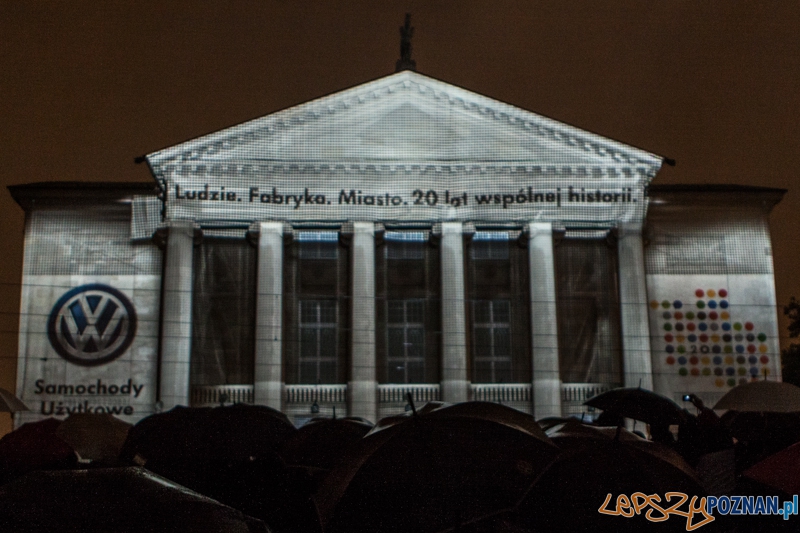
(467, 467)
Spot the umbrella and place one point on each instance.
(95, 436)
(593, 463)
(433, 472)
(113, 499)
(322, 442)
(780, 471)
(230, 454)
(639, 404)
(10, 403)
(765, 396)
(34, 446)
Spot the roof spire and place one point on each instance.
(405, 62)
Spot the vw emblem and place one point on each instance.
(92, 325)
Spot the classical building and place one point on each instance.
(402, 236)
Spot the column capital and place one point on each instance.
(536, 229)
(362, 228)
(450, 228)
(629, 229)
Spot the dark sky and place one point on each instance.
(86, 86)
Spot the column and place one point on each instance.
(176, 318)
(544, 326)
(362, 389)
(455, 387)
(268, 385)
(636, 363)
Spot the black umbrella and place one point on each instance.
(638, 404)
(595, 462)
(34, 446)
(433, 472)
(121, 500)
(322, 442)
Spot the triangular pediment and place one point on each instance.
(406, 118)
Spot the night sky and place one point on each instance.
(86, 86)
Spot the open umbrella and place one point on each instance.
(593, 463)
(433, 472)
(321, 443)
(763, 396)
(122, 500)
(780, 470)
(10, 403)
(97, 437)
(34, 446)
(638, 404)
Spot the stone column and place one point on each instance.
(455, 387)
(268, 383)
(636, 363)
(544, 326)
(176, 320)
(362, 389)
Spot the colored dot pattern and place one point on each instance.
(694, 337)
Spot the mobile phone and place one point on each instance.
(687, 397)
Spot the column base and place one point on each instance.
(455, 390)
(546, 398)
(362, 399)
(269, 393)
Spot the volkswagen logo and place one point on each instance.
(92, 325)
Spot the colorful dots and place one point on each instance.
(712, 304)
(680, 338)
(726, 338)
(701, 304)
(738, 337)
(728, 359)
(681, 349)
(739, 348)
(741, 371)
(667, 326)
(702, 326)
(679, 326)
(717, 360)
(731, 382)
(711, 293)
(694, 360)
(668, 337)
(723, 304)
(750, 337)
(737, 326)
(666, 315)
(677, 304)
(690, 326)
(762, 337)
(740, 359)
(683, 371)
(713, 315)
(751, 348)
(718, 371)
(747, 325)
(665, 304)
(715, 338)
(764, 359)
(695, 371)
(681, 360)
(692, 338)
(653, 304)
(762, 348)
(690, 315)
(670, 348)
(754, 371)
(730, 371)
(726, 326)
(706, 371)
(670, 360)
(716, 348)
(705, 360)
(699, 293)
(719, 382)
(678, 315)
(752, 359)
(765, 371)
(703, 338)
(714, 326)
(722, 293)
(701, 315)
(724, 315)
(728, 349)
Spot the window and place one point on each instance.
(407, 289)
(318, 321)
(491, 342)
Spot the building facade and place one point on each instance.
(402, 236)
